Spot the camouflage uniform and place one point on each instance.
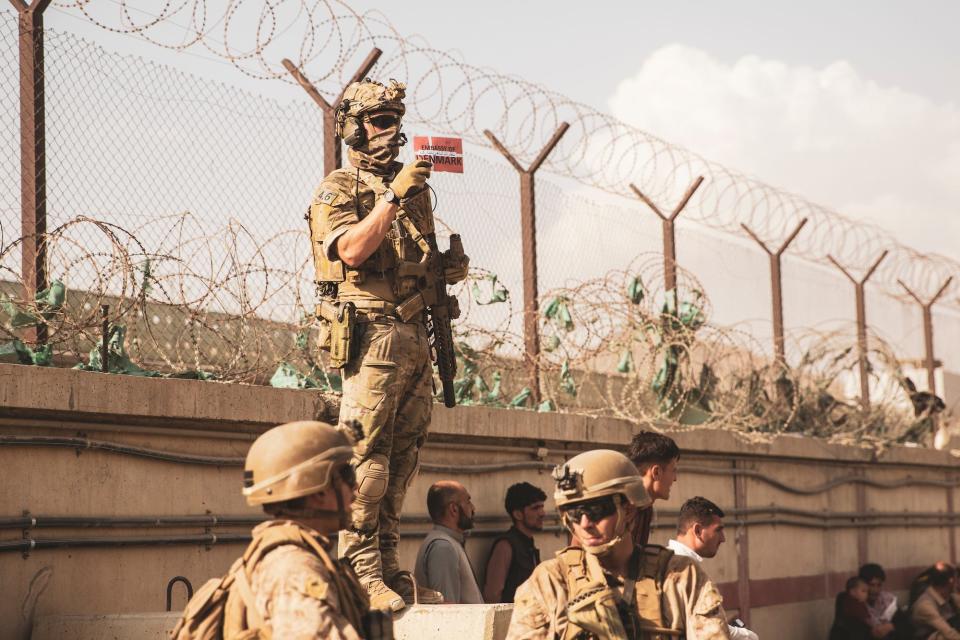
(689, 603)
(298, 597)
(387, 385)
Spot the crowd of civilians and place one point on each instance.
(864, 610)
(443, 565)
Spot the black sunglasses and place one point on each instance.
(384, 121)
(595, 510)
(348, 475)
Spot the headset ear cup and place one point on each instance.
(352, 131)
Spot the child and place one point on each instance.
(851, 616)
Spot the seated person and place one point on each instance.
(442, 563)
(934, 614)
(851, 617)
(514, 555)
(881, 605)
(922, 581)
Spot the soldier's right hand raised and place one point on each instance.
(411, 178)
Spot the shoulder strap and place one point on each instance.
(242, 585)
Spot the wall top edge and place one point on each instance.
(81, 396)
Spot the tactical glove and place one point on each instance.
(454, 272)
(411, 178)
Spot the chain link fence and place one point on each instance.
(178, 202)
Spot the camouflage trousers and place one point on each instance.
(387, 392)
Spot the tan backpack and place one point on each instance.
(224, 608)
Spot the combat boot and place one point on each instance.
(383, 597)
(406, 585)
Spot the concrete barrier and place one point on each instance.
(463, 621)
(105, 507)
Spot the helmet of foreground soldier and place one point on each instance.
(597, 474)
(293, 460)
(365, 97)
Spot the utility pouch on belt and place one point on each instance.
(341, 318)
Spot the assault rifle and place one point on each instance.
(443, 309)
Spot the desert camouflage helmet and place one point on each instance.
(369, 95)
(293, 460)
(598, 473)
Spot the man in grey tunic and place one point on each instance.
(442, 562)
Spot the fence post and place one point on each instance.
(33, 170)
(669, 235)
(928, 361)
(776, 284)
(528, 232)
(332, 153)
(861, 325)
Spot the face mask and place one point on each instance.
(377, 154)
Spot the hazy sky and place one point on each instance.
(853, 105)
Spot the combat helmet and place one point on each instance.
(365, 97)
(293, 460)
(595, 474)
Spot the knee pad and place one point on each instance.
(373, 474)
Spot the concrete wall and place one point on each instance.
(801, 514)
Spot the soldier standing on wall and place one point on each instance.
(368, 224)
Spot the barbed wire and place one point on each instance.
(327, 38)
(202, 303)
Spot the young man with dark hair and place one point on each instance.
(881, 604)
(656, 457)
(935, 613)
(514, 555)
(442, 563)
(699, 535)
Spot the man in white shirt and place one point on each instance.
(699, 535)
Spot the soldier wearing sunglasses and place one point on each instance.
(369, 224)
(609, 587)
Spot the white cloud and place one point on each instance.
(874, 153)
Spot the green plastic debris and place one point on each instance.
(497, 292)
(144, 268)
(690, 312)
(521, 399)
(287, 377)
(546, 406)
(48, 301)
(625, 365)
(118, 361)
(558, 311)
(25, 355)
(551, 343)
(567, 383)
(635, 290)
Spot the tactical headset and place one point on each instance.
(349, 128)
